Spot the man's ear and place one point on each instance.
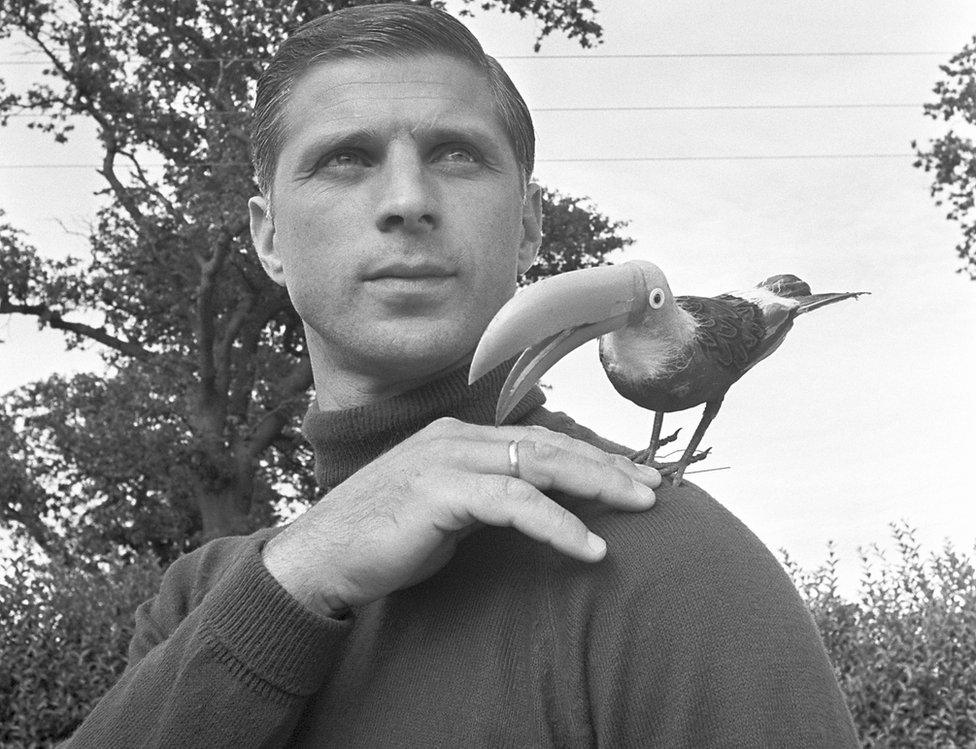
(531, 227)
(263, 236)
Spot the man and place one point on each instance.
(460, 584)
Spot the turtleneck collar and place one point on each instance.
(344, 441)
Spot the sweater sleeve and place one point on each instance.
(696, 637)
(222, 656)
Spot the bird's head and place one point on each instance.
(554, 316)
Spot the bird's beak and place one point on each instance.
(552, 317)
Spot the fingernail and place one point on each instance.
(644, 492)
(595, 542)
(649, 471)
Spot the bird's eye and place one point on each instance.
(656, 298)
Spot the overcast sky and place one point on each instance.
(865, 415)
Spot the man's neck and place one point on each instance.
(338, 389)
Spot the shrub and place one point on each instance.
(64, 632)
(905, 651)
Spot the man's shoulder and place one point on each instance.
(558, 421)
(688, 539)
(693, 633)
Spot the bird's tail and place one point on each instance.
(790, 286)
(816, 301)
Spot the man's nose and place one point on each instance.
(407, 201)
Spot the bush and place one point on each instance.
(64, 632)
(905, 652)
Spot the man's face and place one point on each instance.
(398, 221)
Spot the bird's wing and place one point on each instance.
(731, 330)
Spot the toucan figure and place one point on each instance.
(664, 353)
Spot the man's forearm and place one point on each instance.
(236, 671)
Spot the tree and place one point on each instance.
(192, 433)
(952, 158)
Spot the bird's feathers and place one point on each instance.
(786, 285)
(732, 333)
(729, 329)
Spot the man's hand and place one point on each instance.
(398, 520)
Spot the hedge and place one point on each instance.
(64, 632)
(904, 652)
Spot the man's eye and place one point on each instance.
(458, 155)
(342, 160)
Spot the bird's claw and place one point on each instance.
(646, 456)
(677, 469)
(669, 438)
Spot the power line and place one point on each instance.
(583, 56)
(710, 55)
(710, 107)
(556, 160)
(737, 157)
(647, 108)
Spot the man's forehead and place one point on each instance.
(409, 93)
(351, 82)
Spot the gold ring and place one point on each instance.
(513, 459)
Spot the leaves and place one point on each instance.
(575, 235)
(951, 159)
(575, 18)
(63, 640)
(905, 652)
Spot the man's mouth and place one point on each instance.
(411, 271)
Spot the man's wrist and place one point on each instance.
(306, 592)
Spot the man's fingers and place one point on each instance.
(514, 503)
(511, 467)
(550, 467)
(494, 460)
(540, 435)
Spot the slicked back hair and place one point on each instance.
(384, 31)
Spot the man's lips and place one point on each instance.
(410, 270)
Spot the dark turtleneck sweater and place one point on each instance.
(687, 634)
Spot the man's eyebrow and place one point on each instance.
(473, 132)
(452, 132)
(490, 143)
(332, 141)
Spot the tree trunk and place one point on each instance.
(225, 513)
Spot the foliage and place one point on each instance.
(576, 236)
(951, 159)
(64, 633)
(905, 651)
(576, 18)
(192, 432)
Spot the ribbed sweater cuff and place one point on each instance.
(267, 637)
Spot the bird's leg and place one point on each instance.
(655, 438)
(711, 409)
(646, 456)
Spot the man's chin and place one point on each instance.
(408, 351)
(420, 364)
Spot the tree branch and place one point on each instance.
(84, 103)
(267, 430)
(151, 187)
(246, 356)
(55, 320)
(224, 348)
(206, 311)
